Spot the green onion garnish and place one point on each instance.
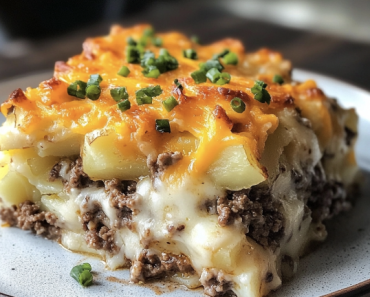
(82, 274)
(124, 105)
(154, 67)
(143, 99)
(157, 41)
(170, 103)
(149, 32)
(93, 92)
(151, 72)
(211, 64)
(133, 54)
(217, 77)
(230, 59)
(95, 79)
(163, 126)
(124, 71)
(143, 41)
(190, 54)
(213, 74)
(145, 95)
(278, 79)
(171, 62)
(119, 93)
(224, 78)
(199, 76)
(178, 85)
(77, 89)
(195, 39)
(260, 93)
(131, 41)
(237, 105)
(220, 55)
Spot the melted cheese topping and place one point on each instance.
(218, 145)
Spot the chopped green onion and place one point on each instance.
(217, 77)
(124, 71)
(237, 105)
(224, 78)
(95, 79)
(213, 74)
(199, 76)
(163, 52)
(93, 92)
(211, 64)
(124, 105)
(149, 32)
(278, 79)
(170, 103)
(143, 41)
(190, 54)
(151, 72)
(230, 59)
(148, 59)
(119, 93)
(133, 54)
(82, 274)
(157, 41)
(153, 91)
(195, 39)
(131, 41)
(143, 99)
(260, 93)
(220, 55)
(176, 82)
(163, 126)
(154, 67)
(170, 61)
(77, 89)
(145, 95)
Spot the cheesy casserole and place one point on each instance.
(202, 164)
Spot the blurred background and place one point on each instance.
(331, 37)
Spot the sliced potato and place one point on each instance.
(65, 210)
(102, 159)
(15, 189)
(232, 170)
(36, 169)
(60, 146)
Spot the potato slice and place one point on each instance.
(233, 170)
(102, 159)
(66, 211)
(15, 189)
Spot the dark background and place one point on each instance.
(331, 37)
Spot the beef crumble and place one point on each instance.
(216, 283)
(324, 198)
(158, 165)
(150, 265)
(9, 215)
(260, 214)
(98, 235)
(328, 197)
(28, 216)
(122, 196)
(77, 178)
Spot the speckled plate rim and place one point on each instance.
(298, 74)
(355, 290)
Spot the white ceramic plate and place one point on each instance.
(32, 266)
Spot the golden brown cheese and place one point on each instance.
(269, 152)
(198, 103)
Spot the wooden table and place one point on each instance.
(346, 60)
